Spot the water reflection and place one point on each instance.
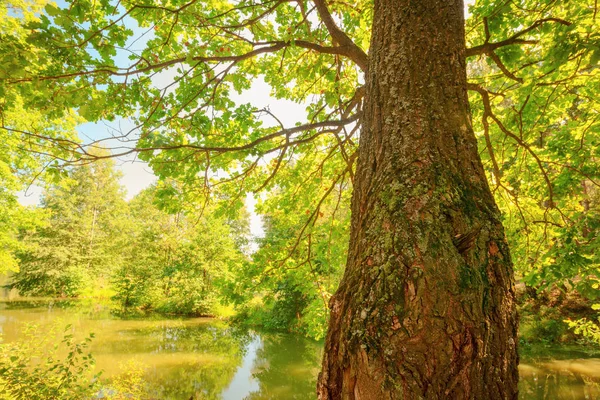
(286, 367)
(203, 358)
(244, 383)
(559, 373)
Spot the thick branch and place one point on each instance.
(273, 47)
(353, 52)
(488, 145)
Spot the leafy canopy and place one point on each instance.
(176, 69)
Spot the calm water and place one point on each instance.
(208, 359)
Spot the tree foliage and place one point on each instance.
(176, 68)
(290, 279)
(25, 154)
(535, 105)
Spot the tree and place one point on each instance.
(424, 223)
(177, 257)
(80, 245)
(426, 308)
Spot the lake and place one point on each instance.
(208, 359)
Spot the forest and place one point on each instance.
(388, 199)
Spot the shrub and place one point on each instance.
(35, 368)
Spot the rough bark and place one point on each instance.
(426, 308)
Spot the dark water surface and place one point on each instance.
(208, 359)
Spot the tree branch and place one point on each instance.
(115, 71)
(353, 52)
(488, 48)
(84, 155)
(488, 110)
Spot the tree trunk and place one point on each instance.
(426, 308)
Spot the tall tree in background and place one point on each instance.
(177, 257)
(80, 245)
(425, 308)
